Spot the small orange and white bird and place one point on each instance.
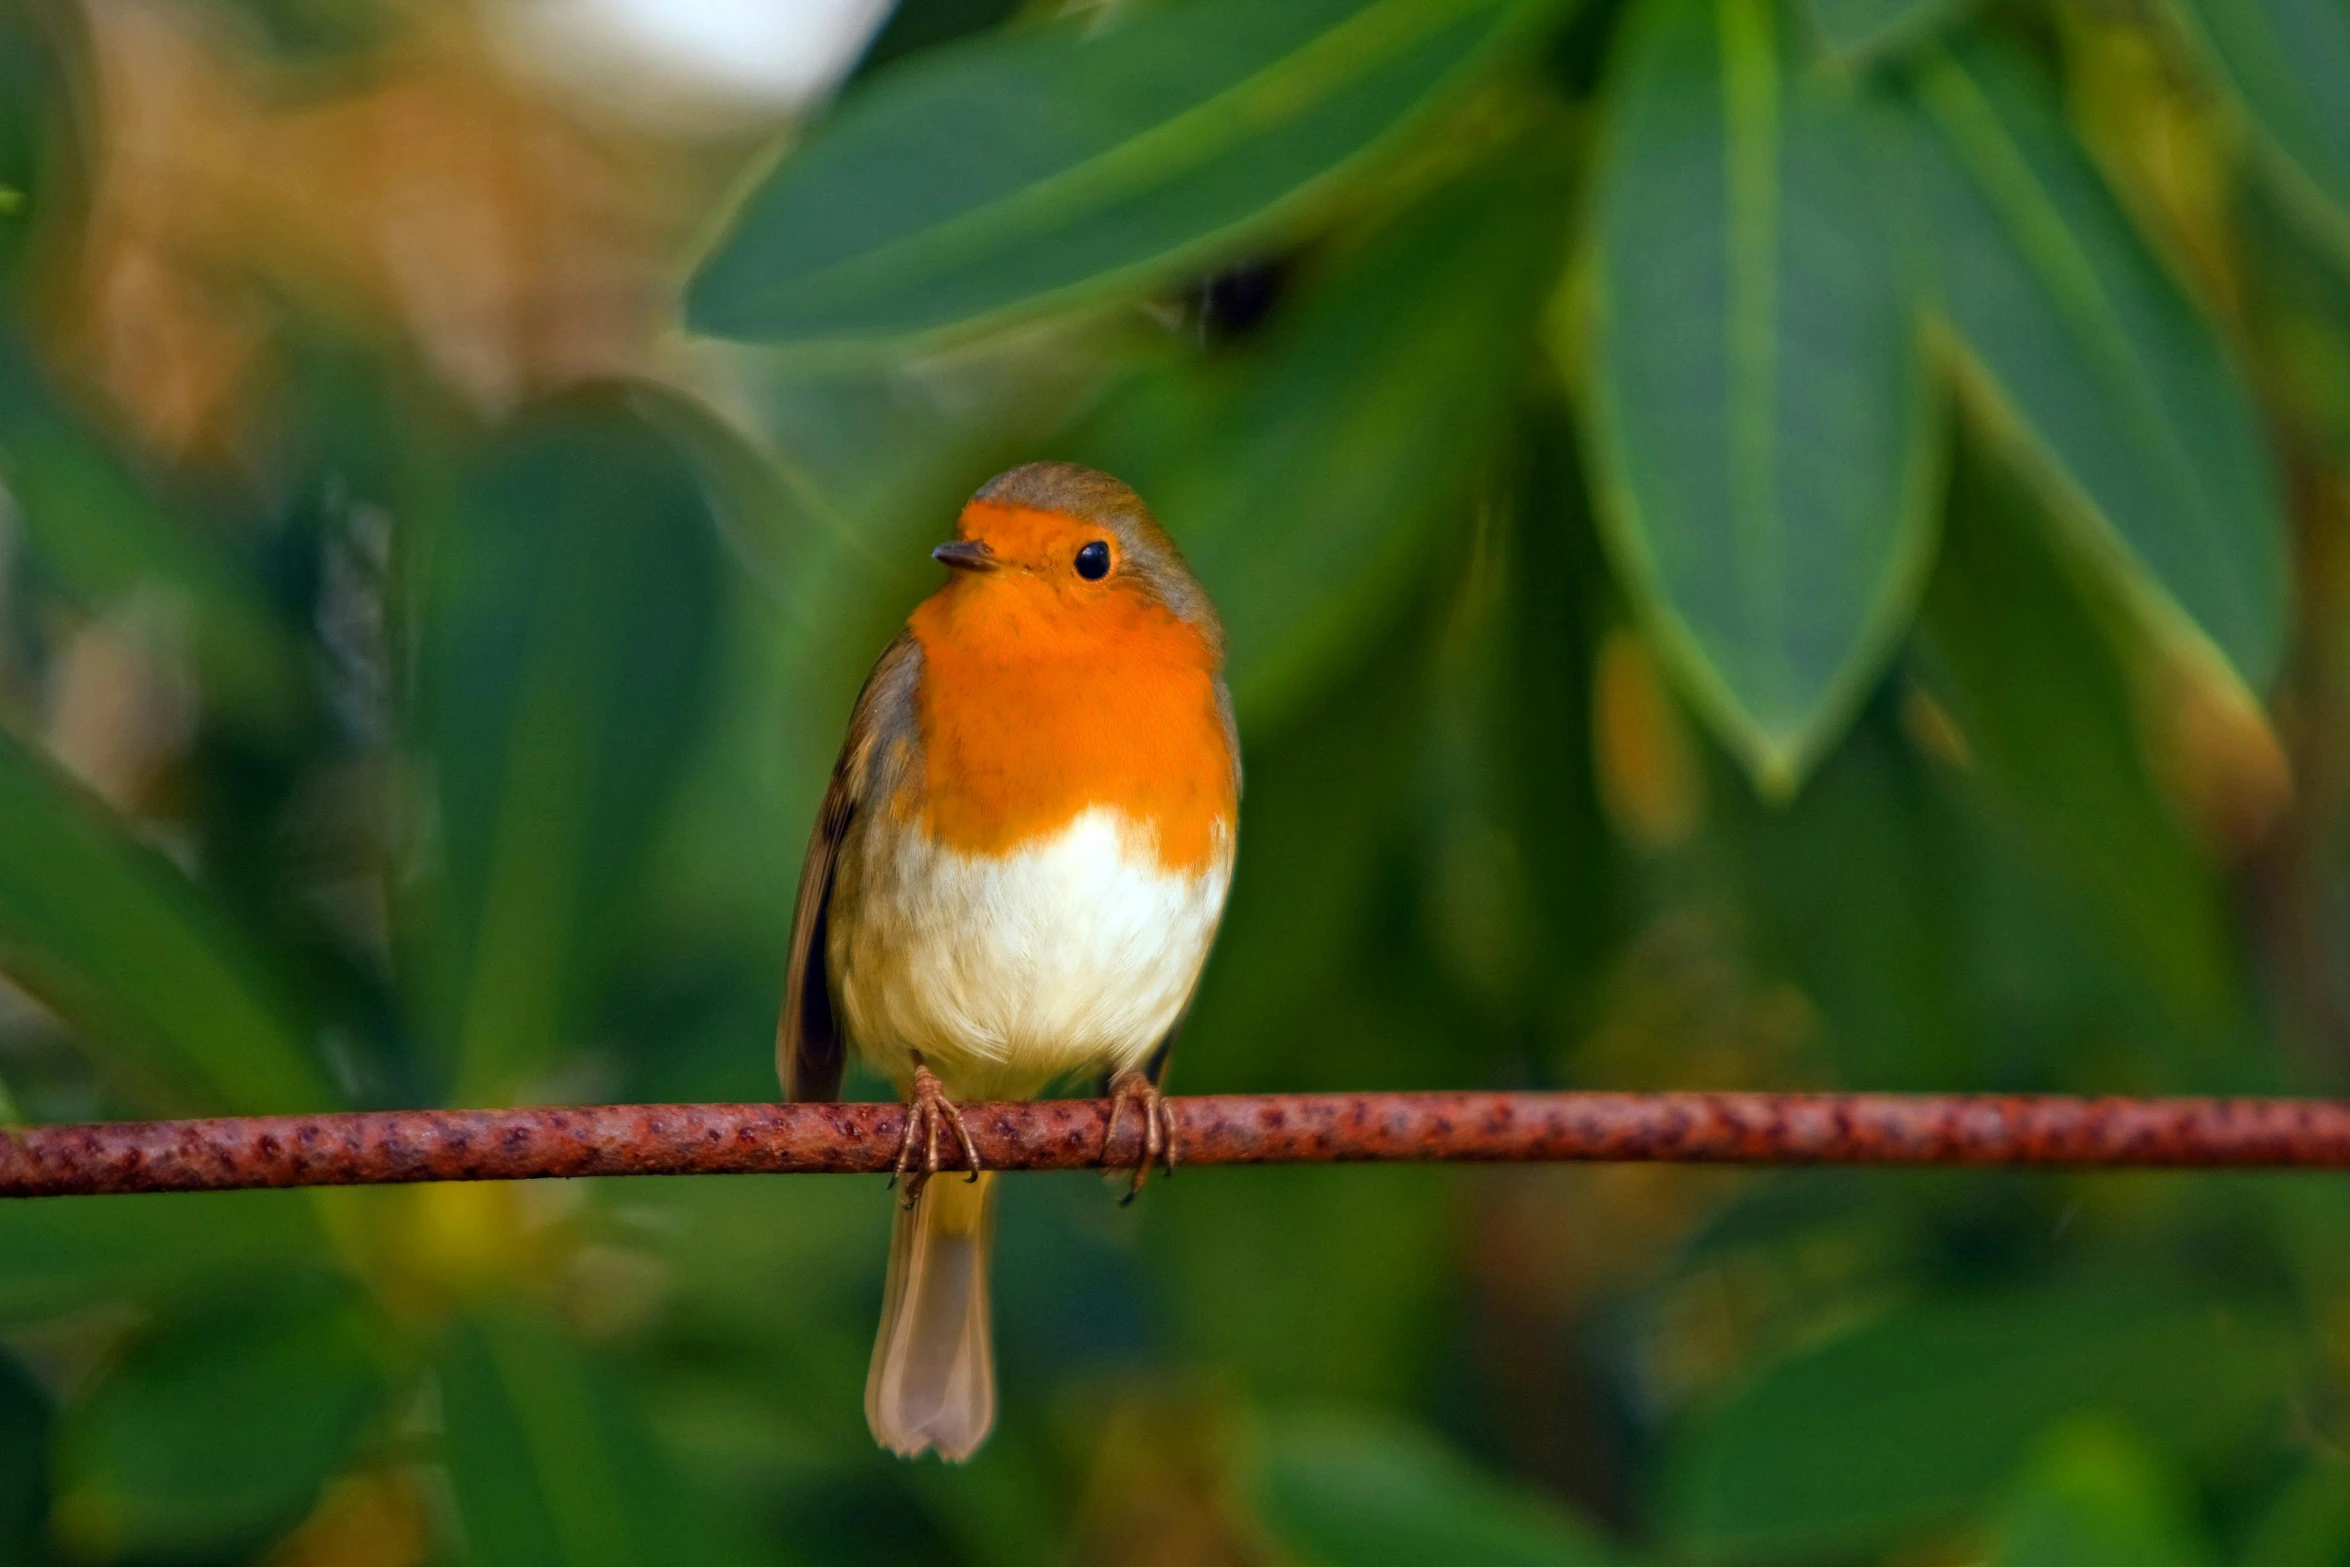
(1014, 879)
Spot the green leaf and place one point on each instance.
(1856, 30)
(118, 942)
(2285, 61)
(1325, 794)
(1761, 408)
(105, 531)
(1358, 1491)
(1322, 1283)
(563, 647)
(1308, 483)
(917, 25)
(2309, 1520)
(1844, 1449)
(549, 1463)
(62, 1257)
(2301, 333)
(2045, 706)
(25, 1423)
(1857, 889)
(312, 33)
(2102, 371)
(1049, 165)
(40, 140)
(2096, 1497)
(216, 1428)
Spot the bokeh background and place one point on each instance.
(1767, 543)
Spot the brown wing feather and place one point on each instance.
(809, 1051)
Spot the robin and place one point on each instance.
(1014, 879)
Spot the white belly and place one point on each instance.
(1074, 954)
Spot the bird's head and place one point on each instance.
(1051, 549)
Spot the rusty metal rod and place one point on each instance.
(381, 1147)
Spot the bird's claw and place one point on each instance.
(1159, 1144)
(925, 1110)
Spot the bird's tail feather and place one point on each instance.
(932, 1384)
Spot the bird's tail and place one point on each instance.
(932, 1385)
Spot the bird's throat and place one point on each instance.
(1022, 732)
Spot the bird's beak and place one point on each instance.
(965, 555)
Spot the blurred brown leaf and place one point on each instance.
(1160, 1489)
(426, 196)
(375, 1519)
(1648, 774)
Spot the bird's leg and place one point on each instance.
(925, 1109)
(1158, 1126)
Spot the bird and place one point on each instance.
(1014, 880)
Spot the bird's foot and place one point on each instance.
(1159, 1145)
(926, 1110)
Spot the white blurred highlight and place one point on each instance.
(689, 61)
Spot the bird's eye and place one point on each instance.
(1093, 561)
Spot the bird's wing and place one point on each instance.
(809, 1051)
(1231, 732)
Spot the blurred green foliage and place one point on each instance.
(1767, 543)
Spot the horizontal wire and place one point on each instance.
(401, 1146)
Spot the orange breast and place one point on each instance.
(1030, 715)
